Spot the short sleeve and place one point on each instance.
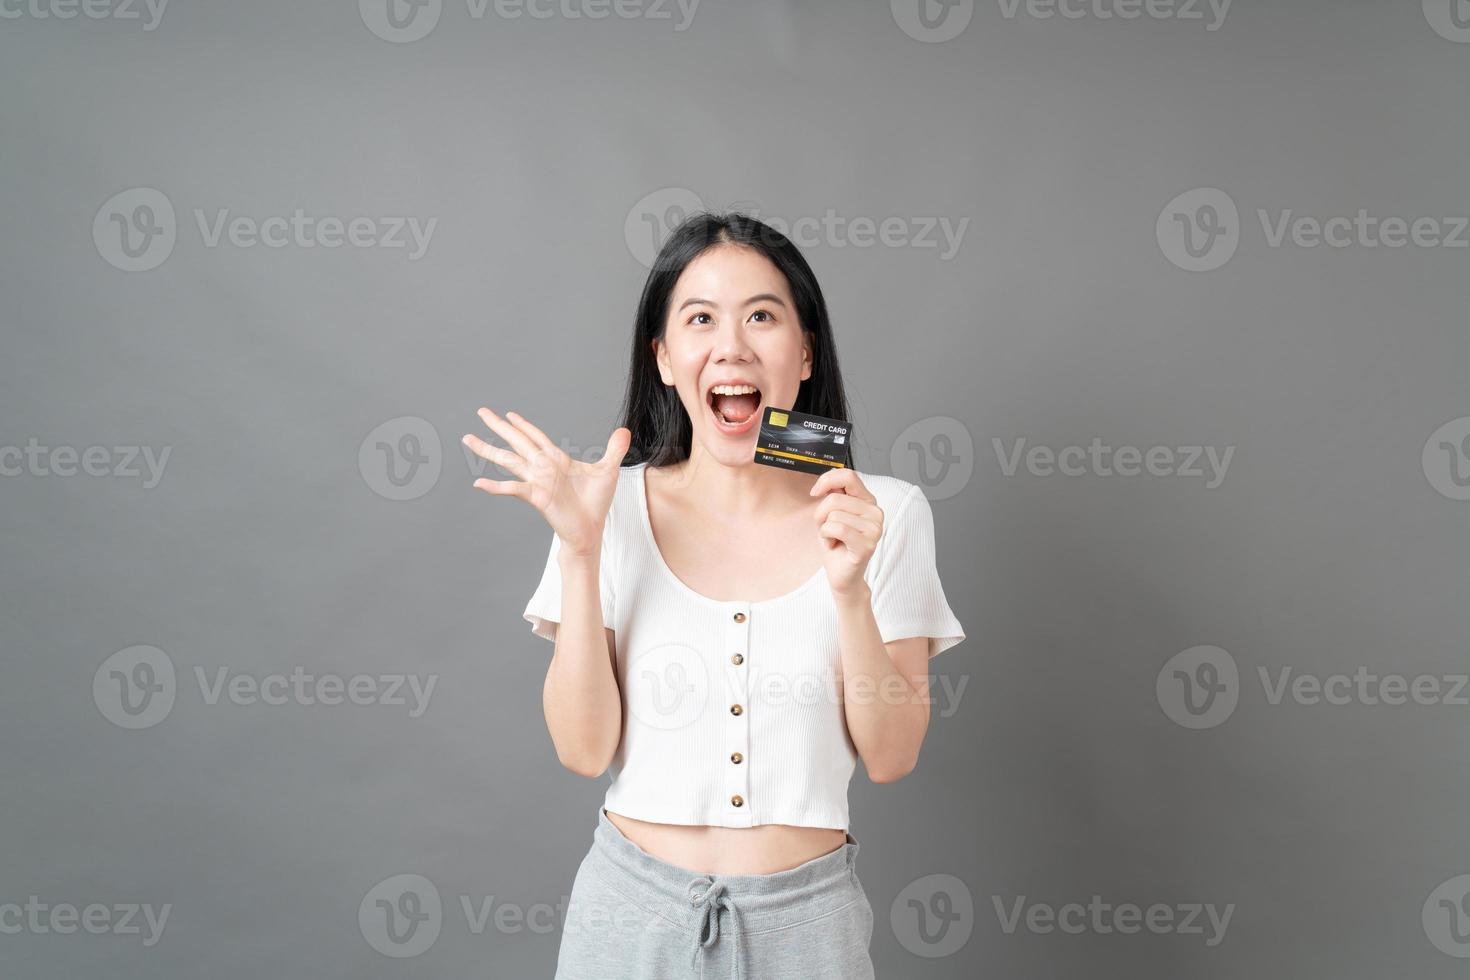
(543, 612)
(908, 599)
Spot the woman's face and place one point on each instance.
(732, 322)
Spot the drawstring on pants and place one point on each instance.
(710, 897)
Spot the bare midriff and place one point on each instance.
(730, 850)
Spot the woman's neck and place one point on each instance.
(737, 491)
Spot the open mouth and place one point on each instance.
(736, 407)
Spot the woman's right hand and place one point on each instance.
(573, 496)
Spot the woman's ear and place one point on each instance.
(806, 356)
(661, 358)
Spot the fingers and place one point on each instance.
(500, 457)
(524, 424)
(504, 488)
(846, 480)
(837, 534)
(868, 529)
(846, 503)
(518, 440)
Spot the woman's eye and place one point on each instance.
(765, 317)
(696, 318)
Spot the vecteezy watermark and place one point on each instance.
(401, 459)
(136, 688)
(1097, 459)
(149, 12)
(1200, 230)
(669, 686)
(38, 918)
(121, 462)
(937, 454)
(1200, 688)
(933, 916)
(934, 21)
(1446, 459)
(403, 916)
(1103, 918)
(1449, 18)
(651, 220)
(136, 230)
(1446, 917)
(405, 21)
(1210, 12)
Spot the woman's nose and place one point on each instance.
(730, 344)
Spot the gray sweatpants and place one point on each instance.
(631, 915)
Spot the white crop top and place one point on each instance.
(732, 710)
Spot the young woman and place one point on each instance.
(730, 638)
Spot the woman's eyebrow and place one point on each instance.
(761, 298)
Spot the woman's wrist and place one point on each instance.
(571, 559)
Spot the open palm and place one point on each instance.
(573, 496)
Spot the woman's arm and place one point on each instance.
(581, 699)
(885, 689)
(885, 685)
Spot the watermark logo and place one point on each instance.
(1104, 918)
(401, 459)
(650, 221)
(1446, 917)
(1446, 459)
(135, 688)
(121, 462)
(38, 918)
(406, 21)
(1207, 463)
(933, 916)
(1364, 687)
(1449, 18)
(400, 21)
(1199, 230)
(404, 915)
(1199, 687)
(932, 21)
(669, 686)
(401, 916)
(1211, 12)
(135, 229)
(124, 10)
(937, 454)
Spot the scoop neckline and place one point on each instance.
(640, 478)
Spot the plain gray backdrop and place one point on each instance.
(1110, 732)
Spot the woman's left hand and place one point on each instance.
(850, 522)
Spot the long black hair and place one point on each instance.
(652, 411)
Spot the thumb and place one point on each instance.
(617, 448)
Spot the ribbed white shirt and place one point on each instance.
(732, 710)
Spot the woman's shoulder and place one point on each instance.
(624, 510)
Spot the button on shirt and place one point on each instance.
(733, 710)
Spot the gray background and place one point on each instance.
(535, 142)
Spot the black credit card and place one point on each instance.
(797, 441)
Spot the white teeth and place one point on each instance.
(734, 390)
